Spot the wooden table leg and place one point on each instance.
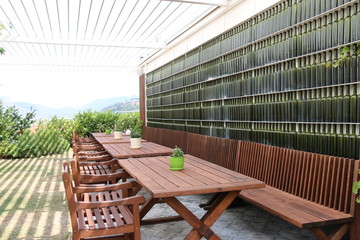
(201, 228)
(147, 207)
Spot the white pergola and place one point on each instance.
(92, 35)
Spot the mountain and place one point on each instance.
(67, 112)
(125, 106)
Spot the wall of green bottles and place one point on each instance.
(270, 80)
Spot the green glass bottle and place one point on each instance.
(346, 107)
(340, 143)
(353, 107)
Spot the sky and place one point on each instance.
(66, 89)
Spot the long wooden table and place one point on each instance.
(197, 177)
(109, 140)
(102, 134)
(148, 149)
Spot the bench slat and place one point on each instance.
(298, 211)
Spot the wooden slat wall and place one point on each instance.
(197, 145)
(221, 151)
(323, 179)
(152, 134)
(172, 138)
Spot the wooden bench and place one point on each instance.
(306, 189)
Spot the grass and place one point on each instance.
(32, 199)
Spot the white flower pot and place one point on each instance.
(135, 142)
(117, 134)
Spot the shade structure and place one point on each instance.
(88, 35)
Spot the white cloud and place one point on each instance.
(66, 89)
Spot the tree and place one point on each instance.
(2, 50)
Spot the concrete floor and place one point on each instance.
(245, 222)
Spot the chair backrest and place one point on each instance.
(326, 180)
(69, 192)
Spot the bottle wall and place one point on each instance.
(270, 80)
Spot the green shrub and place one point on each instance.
(44, 141)
(65, 127)
(87, 122)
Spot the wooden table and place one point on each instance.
(197, 177)
(148, 149)
(109, 140)
(106, 135)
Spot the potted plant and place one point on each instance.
(135, 126)
(177, 159)
(135, 140)
(119, 128)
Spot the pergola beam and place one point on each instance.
(89, 43)
(65, 64)
(220, 3)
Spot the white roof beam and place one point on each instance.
(32, 63)
(93, 43)
(220, 3)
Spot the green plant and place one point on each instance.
(135, 135)
(177, 152)
(65, 127)
(134, 123)
(13, 124)
(42, 142)
(87, 122)
(356, 189)
(121, 123)
(345, 54)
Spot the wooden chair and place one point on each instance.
(87, 140)
(97, 172)
(101, 212)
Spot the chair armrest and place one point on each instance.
(136, 200)
(104, 163)
(104, 188)
(102, 178)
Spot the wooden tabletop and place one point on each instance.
(105, 135)
(197, 177)
(109, 140)
(148, 149)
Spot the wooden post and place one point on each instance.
(355, 226)
(142, 98)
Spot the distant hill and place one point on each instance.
(68, 112)
(125, 106)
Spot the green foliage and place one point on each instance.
(2, 50)
(121, 123)
(177, 152)
(133, 123)
(356, 189)
(44, 142)
(135, 135)
(87, 122)
(12, 124)
(65, 127)
(345, 54)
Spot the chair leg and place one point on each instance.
(75, 236)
